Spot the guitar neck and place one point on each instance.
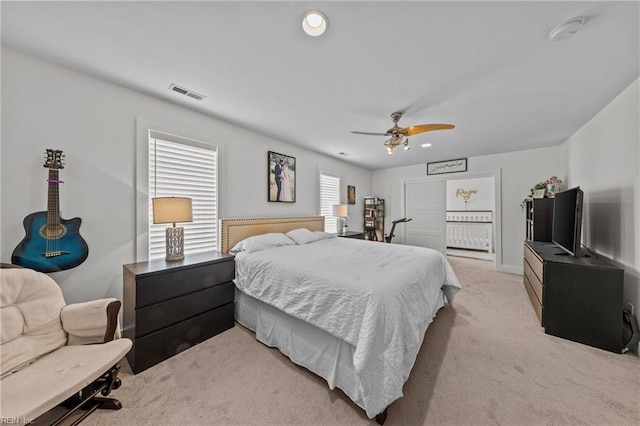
(53, 199)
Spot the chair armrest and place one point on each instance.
(10, 266)
(91, 322)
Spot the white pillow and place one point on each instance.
(262, 242)
(302, 236)
(324, 235)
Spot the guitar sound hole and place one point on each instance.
(53, 232)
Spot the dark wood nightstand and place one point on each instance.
(170, 306)
(352, 234)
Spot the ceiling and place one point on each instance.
(489, 68)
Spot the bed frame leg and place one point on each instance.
(382, 417)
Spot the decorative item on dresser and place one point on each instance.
(171, 306)
(173, 210)
(576, 298)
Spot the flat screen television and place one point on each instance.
(567, 220)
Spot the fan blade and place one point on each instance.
(421, 128)
(368, 133)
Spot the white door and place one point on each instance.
(426, 205)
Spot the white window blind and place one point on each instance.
(329, 195)
(184, 168)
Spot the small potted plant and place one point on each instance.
(538, 186)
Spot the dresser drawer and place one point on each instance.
(534, 282)
(156, 288)
(535, 263)
(160, 345)
(537, 306)
(160, 315)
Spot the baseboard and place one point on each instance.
(510, 269)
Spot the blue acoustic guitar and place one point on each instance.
(52, 243)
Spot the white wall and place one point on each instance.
(94, 123)
(484, 199)
(519, 172)
(603, 158)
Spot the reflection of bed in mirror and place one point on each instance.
(353, 312)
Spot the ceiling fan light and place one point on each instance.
(400, 135)
(314, 23)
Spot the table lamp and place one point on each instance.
(340, 211)
(173, 210)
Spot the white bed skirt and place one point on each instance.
(306, 345)
(318, 351)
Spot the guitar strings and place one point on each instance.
(50, 209)
(52, 229)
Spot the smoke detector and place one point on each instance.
(186, 92)
(567, 29)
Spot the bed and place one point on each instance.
(353, 312)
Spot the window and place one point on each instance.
(329, 195)
(184, 168)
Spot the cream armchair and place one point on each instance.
(52, 353)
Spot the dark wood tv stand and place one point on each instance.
(575, 297)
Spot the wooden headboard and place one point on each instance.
(235, 230)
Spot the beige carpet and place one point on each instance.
(484, 361)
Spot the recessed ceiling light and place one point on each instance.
(425, 145)
(567, 29)
(314, 23)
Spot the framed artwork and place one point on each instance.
(351, 194)
(449, 166)
(539, 193)
(282, 178)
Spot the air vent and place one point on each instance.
(195, 96)
(186, 92)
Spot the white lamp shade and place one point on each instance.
(340, 210)
(172, 210)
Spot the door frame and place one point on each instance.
(497, 182)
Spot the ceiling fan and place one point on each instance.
(400, 135)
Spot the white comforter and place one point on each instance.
(377, 297)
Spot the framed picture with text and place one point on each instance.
(282, 178)
(449, 166)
